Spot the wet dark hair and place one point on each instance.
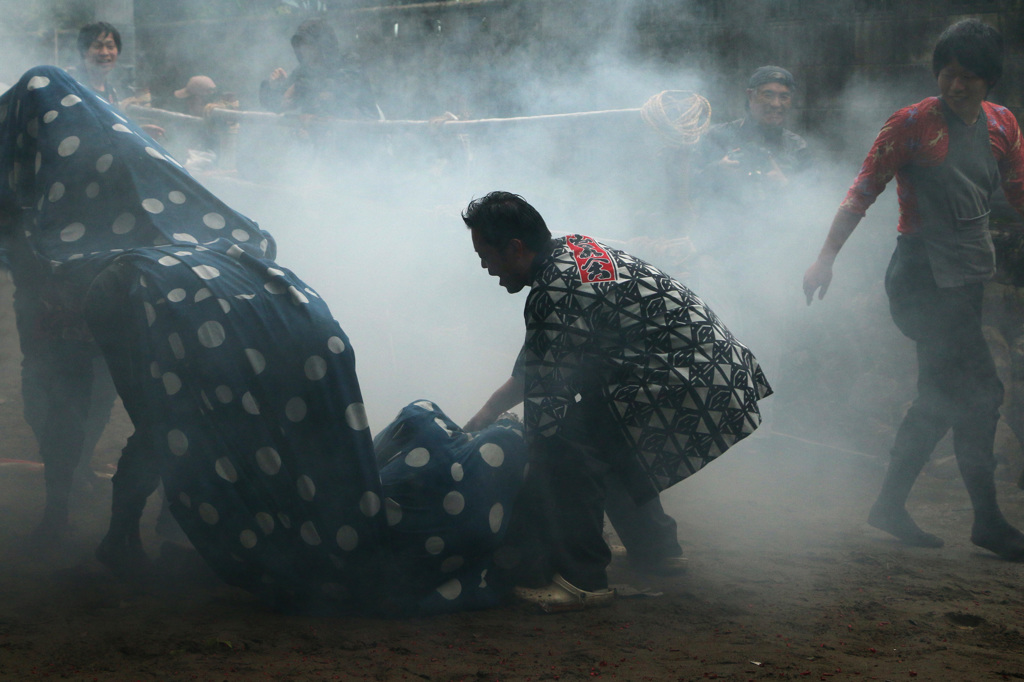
(976, 45)
(500, 217)
(90, 32)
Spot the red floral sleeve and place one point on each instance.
(913, 134)
(1005, 135)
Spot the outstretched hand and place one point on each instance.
(818, 276)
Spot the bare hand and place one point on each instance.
(728, 163)
(278, 73)
(818, 276)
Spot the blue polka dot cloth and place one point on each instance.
(448, 495)
(248, 392)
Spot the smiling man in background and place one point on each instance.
(744, 161)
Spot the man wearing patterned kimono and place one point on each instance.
(948, 154)
(625, 374)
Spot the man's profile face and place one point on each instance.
(500, 263)
(769, 103)
(102, 54)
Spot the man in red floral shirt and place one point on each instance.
(948, 154)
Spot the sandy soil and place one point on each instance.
(785, 582)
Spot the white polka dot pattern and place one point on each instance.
(347, 538)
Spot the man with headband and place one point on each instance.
(744, 186)
(746, 160)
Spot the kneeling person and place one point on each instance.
(626, 377)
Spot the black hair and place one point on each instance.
(90, 32)
(500, 217)
(976, 45)
(318, 35)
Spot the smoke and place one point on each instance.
(373, 221)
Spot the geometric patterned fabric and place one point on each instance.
(604, 324)
(246, 383)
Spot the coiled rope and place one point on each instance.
(679, 117)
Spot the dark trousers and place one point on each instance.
(64, 402)
(646, 531)
(557, 525)
(957, 383)
(138, 470)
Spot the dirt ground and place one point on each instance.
(785, 581)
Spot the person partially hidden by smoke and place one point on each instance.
(630, 384)
(748, 177)
(201, 148)
(948, 155)
(327, 81)
(746, 162)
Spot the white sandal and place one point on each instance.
(561, 595)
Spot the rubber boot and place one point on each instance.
(915, 441)
(121, 548)
(990, 530)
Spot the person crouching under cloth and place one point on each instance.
(626, 375)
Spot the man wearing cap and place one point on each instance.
(750, 158)
(744, 177)
(200, 147)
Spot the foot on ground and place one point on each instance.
(561, 595)
(125, 559)
(897, 522)
(999, 537)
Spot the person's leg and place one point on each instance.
(100, 406)
(647, 532)
(33, 364)
(918, 434)
(918, 311)
(973, 379)
(67, 382)
(138, 470)
(569, 493)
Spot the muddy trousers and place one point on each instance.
(958, 389)
(138, 470)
